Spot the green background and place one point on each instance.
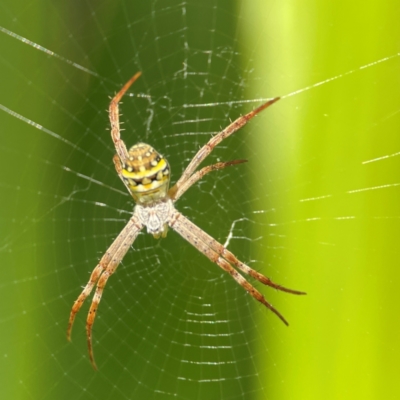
(344, 245)
(329, 223)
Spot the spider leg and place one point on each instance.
(86, 292)
(118, 168)
(123, 247)
(228, 256)
(176, 192)
(201, 241)
(94, 277)
(114, 118)
(101, 273)
(247, 286)
(215, 140)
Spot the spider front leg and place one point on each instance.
(218, 254)
(86, 292)
(100, 275)
(183, 226)
(124, 245)
(95, 275)
(232, 259)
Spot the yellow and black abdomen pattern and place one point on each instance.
(146, 174)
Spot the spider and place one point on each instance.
(146, 175)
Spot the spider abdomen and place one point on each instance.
(146, 173)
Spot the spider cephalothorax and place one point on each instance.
(146, 175)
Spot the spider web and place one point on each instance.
(316, 207)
